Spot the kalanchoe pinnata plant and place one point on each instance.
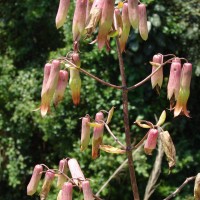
(143, 29)
(151, 141)
(97, 135)
(50, 87)
(79, 19)
(157, 78)
(126, 27)
(133, 13)
(62, 13)
(87, 191)
(34, 182)
(184, 91)
(174, 82)
(48, 179)
(61, 86)
(63, 168)
(67, 190)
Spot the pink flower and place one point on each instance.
(67, 190)
(157, 78)
(63, 168)
(126, 27)
(105, 22)
(133, 13)
(50, 86)
(184, 92)
(48, 179)
(97, 136)
(79, 19)
(34, 182)
(143, 29)
(87, 191)
(151, 141)
(85, 133)
(62, 13)
(60, 89)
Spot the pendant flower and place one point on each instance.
(184, 92)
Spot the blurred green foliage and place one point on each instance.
(28, 39)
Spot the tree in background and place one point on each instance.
(21, 128)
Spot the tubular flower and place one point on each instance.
(118, 22)
(88, 9)
(143, 29)
(47, 69)
(63, 168)
(85, 133)
(184, 92)
(76, 59)
(157, 78)
(62, 83)
(67, 190)
(133, 13)
(79, 19)
(49, 89)
(94, 16)
(126, 27)
(76, 172)
(34, 182)
(87, 191)
(62, 13)
(105, 22)
(75, 85)
(48, 179)
(174, 82)
(151, 141)
(97, 136)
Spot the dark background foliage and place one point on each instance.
(29, 39)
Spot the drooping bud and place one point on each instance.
(87, 191)
(157, 78)
(169, 148)
(50, 87)
(36, 176)
(97, 136)
(85, 133)
(118, 22)
(75, 170)
(151, 141)
(48, 179)
(94, 16)
(75, 85)
(47, 69)
(105, 22)
(133, 13)
(67, 190)
(79, 19)
(197, 187)
(59, 197)
(143, 29)
(62, 13)
(184, 92)
(60, 89)
(174, 80)
(62, 168)
(126, 27)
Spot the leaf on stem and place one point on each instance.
(162, 118)
(110, 114)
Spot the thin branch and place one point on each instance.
(148, 77)
(92, 76)
(155, 173)
(116, 139)
(141, 141)
(118, 170)
(187, 180)
(126, 124)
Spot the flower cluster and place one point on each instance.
(178, 88)
(55, 82)
(64, 183)
(111, 20)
